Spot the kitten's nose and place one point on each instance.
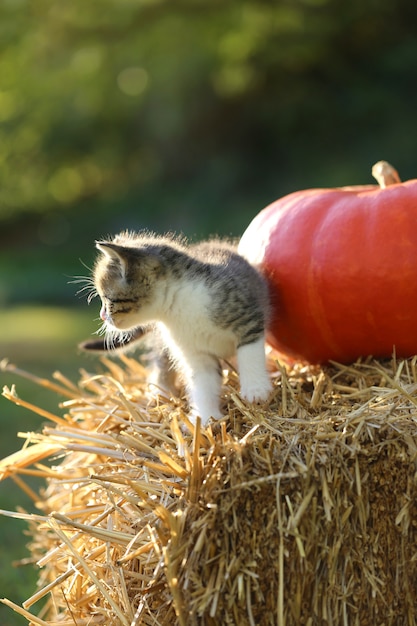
(103, 314)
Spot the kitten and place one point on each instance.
(205, 300)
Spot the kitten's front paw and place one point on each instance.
(256, 392)
(205, 417)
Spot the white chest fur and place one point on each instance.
(186, 322)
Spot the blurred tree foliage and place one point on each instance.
(170, 104)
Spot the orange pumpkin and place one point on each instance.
(342, 269)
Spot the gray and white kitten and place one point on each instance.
(205, 300)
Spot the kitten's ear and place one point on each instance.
(111, 250)
(115, 252)
(124, 255)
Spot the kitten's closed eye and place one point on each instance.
(120, 300)
(120, 305)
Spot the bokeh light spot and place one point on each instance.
(133, 81)
(65, 185)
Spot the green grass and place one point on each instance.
(40, 340)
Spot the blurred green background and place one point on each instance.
(187, 115)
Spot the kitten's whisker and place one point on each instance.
(81, 279)
(90, 296)
(89, 287)
(115, 339)
(78, 278)
(82, 288)
(86, 266)
(102, 330)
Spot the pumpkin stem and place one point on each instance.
(385, 174)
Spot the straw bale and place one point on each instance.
(299, 512)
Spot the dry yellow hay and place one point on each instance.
(301, 512)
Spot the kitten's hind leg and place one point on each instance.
(255, 382)
(203, 381)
